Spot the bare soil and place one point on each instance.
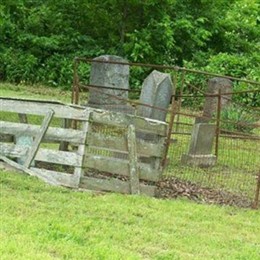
(172, 188)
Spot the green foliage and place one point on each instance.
(39, 39)
(18, 66)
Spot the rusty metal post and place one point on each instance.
(257, 193)
(169, 134)
(180, 101)
(218, 123)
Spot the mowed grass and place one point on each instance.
(38, 221)
(34, 92)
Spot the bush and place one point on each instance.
(19, 66)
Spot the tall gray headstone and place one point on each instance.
(157, 90)
(200, 149)
(211, 103)
(109, 76)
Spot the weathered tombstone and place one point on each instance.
(157, 91)
(110, 77)
(200, 149)
(211, 103)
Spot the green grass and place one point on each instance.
(42, 222)
(34, 92)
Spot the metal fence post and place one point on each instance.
(180, 98)
(218, 123)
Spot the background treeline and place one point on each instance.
(39, 39)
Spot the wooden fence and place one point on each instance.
(108, 151)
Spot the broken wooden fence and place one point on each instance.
(109, 151)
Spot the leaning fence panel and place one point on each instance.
(108, 151)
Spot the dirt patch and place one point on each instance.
(172, 188)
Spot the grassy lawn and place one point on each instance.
(42, 222)
(34, 92)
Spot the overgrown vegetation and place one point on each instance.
(39, 39)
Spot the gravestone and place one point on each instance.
(200, 149)
(211, 103)
(109, 77)
(157, 90)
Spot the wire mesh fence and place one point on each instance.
(235, 171)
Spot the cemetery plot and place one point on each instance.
(203, 145)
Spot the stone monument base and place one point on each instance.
(199, 160)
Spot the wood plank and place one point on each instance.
(58, 157)
(68, 180)
(133, 165)
(41, 174)
(12, 150)
(157, 162)
(144, 148)
(17, 166)
(41, 108)
(118, 166)
(33, 150)
(123, 120)
(52, 134)
(43, 155)
(56, 178)
(114, 185)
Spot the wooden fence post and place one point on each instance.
(133, 164)
(37, 141)
(79, 171)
